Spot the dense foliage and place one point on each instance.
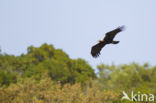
(48, 75)
(45, 59)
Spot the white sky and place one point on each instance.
(76, 25)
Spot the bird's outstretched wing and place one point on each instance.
(110, 35)
(95, 51)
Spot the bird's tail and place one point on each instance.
(115, 42)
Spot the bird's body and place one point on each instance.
(108, 39)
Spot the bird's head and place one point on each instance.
(101, 40)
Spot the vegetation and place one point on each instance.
(49, 75)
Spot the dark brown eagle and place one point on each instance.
(108, 39)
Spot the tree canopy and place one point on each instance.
(48, 75)
(44, 59)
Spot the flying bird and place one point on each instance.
(108, 39)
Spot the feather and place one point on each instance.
(95, 50)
